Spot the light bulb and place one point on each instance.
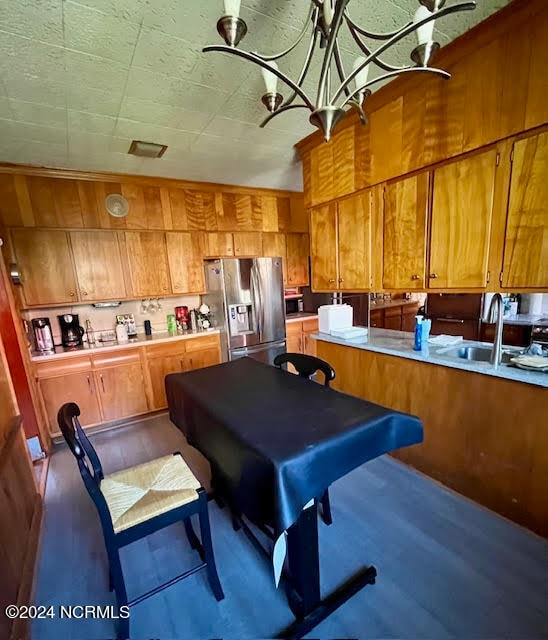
(270, 79)
(327, 13)
(361, 77)
(425, 31)
(232, 8)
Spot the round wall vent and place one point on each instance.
(117, 205)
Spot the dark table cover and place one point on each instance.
(275, 440)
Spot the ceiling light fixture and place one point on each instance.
(147, 149)
(324, 21)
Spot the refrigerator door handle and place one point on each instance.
(256, 300)
(262, 347)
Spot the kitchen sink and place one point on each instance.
(476, 354)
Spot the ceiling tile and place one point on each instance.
(103, 35)
(95, 72)
(5, 109)
(22, 86)
(81, 121)
(162, 52)
(38, 113)
(132, 10)
(43, 154)
(153, 133)
(81, 98)
(39, 20)
(27, 131)
(87, 142)
(23, 55)
(169, 115)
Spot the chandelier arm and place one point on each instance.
(340, 67)
(340, 7)
(306, 27)
(251, 57)
(435, 15)
(391, 74)
(286, 107)
(398, 36)
(306, 65)
(380, 63)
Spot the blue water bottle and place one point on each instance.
(418, 333)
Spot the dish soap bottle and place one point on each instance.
(418, 333)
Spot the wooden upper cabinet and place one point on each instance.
(98, 265)
(247, 244)
(405, 215)
(47, 273)
(526, 246)
(219, 245)
(185, 254)
(354, 242)
(461, 222)
(274, 246)
(147, 262)
(323, 247)
(298, 250)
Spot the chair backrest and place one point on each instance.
(85, 454)
(306, 365)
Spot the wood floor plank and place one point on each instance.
(448, 568)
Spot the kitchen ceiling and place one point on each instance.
(80, 80)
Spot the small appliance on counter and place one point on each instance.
(43, 339)
(128, 320)
(71, 331)
(334, 316)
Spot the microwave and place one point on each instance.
(293, 304)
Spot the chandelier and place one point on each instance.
(336, 89)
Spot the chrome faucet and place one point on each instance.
(496, 352)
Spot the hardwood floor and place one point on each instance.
(447, 567)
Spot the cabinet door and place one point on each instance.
(247, 244)
(274, 246)
(75, 387)
(309, 345)
(159, 369)
(293, 336)
(323, 247)
(405, 213)
(147, 259)
(185, 254)
(298, 250)
(46, 266)
(121, 385)
(376, 318)
(219, 245)
(202, 352)
(98, 265)
(354, 242)
(526, 245)
(461, 222)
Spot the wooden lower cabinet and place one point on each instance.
(120, 384)
(298, 337)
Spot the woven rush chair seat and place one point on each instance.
(138, 501)
(147, 490)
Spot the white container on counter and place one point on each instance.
(334, 316)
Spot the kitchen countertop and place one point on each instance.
(140, 341)
(301, 315)
(526, 319)
(400, 343)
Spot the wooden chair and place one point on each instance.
(306, 367)
(135, 502)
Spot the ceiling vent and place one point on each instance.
(147, 149)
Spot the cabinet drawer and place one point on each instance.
(163, 349)
(310, 326)
(293, 328)
(201, 342)
(115, 358)
(62, 367)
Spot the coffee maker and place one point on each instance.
(71, 331)
(43, 339)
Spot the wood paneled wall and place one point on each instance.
(484, 436)
(68, 199)
(498, 88)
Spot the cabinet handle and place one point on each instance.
(416, 277)
(182, 364)
(72, 294)
(102, 382)
(89, 385)
(451, 320)
(331, 279)
(84, 293)
(341, 280)
(433, 275)
(191, 364)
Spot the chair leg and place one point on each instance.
(193, 538)
(119, 585)
(205, 532)
(326, 508)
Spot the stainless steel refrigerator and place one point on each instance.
(246, 299)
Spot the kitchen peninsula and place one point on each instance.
(485, 433)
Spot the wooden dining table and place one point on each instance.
(275, 443)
